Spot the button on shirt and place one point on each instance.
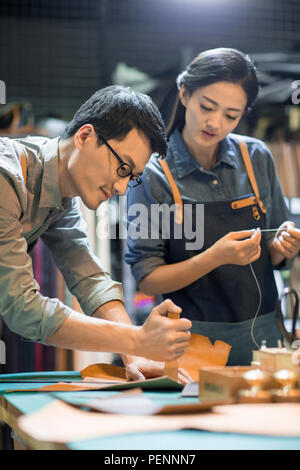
(227, 180)
(33, 210)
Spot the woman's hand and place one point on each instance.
(287, 240)
(238, 248)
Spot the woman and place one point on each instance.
(226, 287)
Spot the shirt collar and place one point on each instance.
(50, 191)
(185, 162)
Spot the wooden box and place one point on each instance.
(273, 359)
(221, 382)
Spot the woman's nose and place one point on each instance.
(214, 121)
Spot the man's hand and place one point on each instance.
(163, 339)
(141, 369)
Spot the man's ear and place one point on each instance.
(83, 134)
(183, 95)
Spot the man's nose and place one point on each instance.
(120, 186)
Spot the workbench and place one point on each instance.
(15, 404)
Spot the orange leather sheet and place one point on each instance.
(202, 353)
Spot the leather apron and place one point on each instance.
(223, 303)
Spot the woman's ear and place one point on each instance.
(183, 95)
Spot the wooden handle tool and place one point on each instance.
(171, 367)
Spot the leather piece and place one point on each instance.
(202, 353)
(248, 201)
(104, 372)
(171, 367)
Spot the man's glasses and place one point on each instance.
(124, 170)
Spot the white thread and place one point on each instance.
(259, 304)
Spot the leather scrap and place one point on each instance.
(202, 353)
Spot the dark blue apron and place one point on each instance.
(222, 304)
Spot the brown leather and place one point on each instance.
(104, 371)
(171, 367)
(248, 201)
(202, 353)
(175, 192)
(250, 172)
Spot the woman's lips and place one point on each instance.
(208, 134)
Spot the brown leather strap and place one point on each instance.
(175, 192)
(248, 201)
(250, 172)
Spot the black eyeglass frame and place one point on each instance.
(127, 170)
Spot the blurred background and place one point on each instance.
(56, 53)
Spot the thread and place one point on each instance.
(258, 308)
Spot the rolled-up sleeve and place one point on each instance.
(22, 307)
(83, 272)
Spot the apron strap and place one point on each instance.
(235, 204)
(175, 192)
(250, 172)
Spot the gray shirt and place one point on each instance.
(35, 209)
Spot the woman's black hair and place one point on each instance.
(212, 66)
(116, 110)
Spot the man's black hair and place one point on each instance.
(116, 110)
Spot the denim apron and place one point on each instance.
(222, 304)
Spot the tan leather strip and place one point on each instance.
(175, 192)
(250, 172)
(248, 201)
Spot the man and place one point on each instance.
(104, 148)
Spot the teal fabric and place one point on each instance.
(184, 440)
(52, 375)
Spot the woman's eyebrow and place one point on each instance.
(216, 104)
